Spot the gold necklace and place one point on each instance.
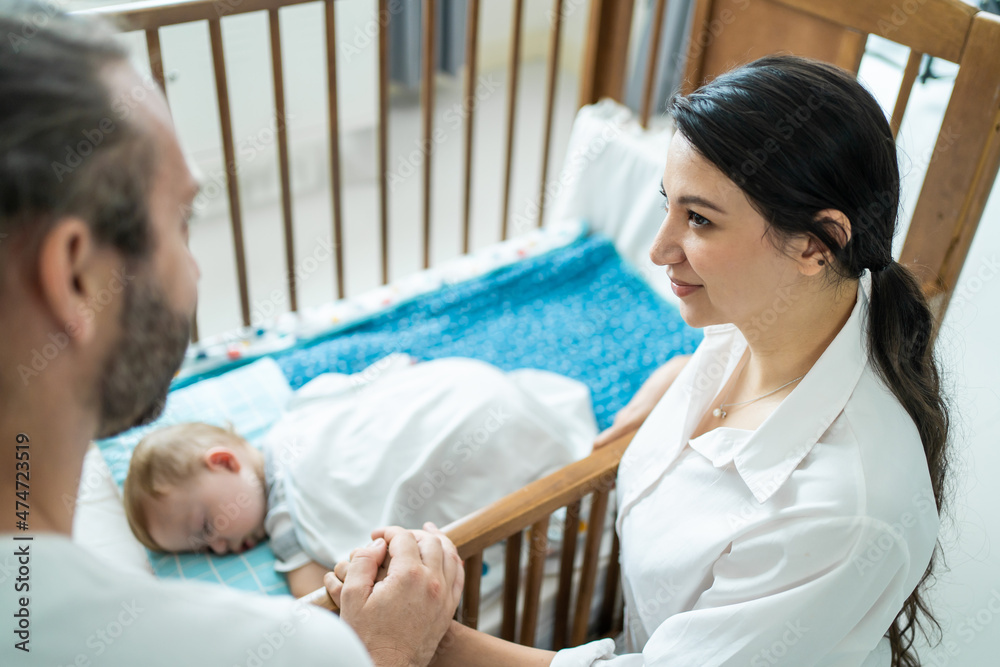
(721, 410)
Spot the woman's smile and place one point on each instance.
(681, 288)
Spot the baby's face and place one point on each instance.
(220, 508)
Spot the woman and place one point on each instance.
(780, 503)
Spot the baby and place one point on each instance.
(399, 443)
(196, 487)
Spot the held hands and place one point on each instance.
(632, 415)
(400, 609)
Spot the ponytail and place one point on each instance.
(900, 333)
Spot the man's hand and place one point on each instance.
(402, 617)
(652, 390)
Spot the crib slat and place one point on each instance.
(515, 63)
(511, 583)
(654, 50)
(286, 182)
(550, 97)
(571, 530)
(471, 42)
(232, 184)
(383, 135)
(610, 588)
(588, 576)
(331, 75)
(427, 105)
(605, 56)
(533, 582)
(527, 505)
(156, 58)
(473, 580)
(156, 68)
(905, 88)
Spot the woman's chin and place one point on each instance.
(691, 315)
(697, 317)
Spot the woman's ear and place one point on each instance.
(813, 256)
(837, 224)
(221, 458)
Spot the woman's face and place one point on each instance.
(721, 264)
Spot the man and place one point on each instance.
(97, 292)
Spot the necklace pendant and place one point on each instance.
(719, 412)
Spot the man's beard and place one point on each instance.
(137, 372)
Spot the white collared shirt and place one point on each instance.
(794, 544)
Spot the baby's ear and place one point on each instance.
(222, 458)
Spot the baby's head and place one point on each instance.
(193, 487)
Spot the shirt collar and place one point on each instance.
(765, 458)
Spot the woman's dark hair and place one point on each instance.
(66, 146)
(799, 136)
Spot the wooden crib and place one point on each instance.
(724, 33)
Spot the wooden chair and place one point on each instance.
(724, 33)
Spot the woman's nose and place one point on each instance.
(665, 249)
(219, 546)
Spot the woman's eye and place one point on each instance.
(698, 220)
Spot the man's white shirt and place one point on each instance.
(81, 612)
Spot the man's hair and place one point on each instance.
(66, 147)
(168, 458)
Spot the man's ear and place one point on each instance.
(72, 269)
(221, 458)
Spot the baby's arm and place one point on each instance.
(306, 579)
(303, 574)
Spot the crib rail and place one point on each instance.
(528, 510)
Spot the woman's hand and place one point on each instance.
(401, 618)
(652, 390)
